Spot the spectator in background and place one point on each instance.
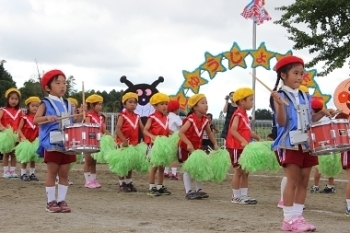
(229, 108)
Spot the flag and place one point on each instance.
(255, 10)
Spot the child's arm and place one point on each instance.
(324, 112)
(39, 116)
(141, 125)
(146, 129)
(183, 137)
(281, 115)
(19, 130)
(119, 132)
(235, 133)
(1, 115)
(211, 136)
(255, 136)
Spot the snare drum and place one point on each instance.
(329, 137)
(82, 137)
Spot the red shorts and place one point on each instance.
(297, 157)
(234, 155)
(182, 155)
(58, 157)
(345, 160)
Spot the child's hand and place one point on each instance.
(51, 118)
(153, 138)
(23, 139)
(2, 128)
(190, 147)
(244, 143)
(277, 98)
(216, 147)
(125, 144)
(329, 112)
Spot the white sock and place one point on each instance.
(151, 186)
(23, 171)
(31, 171)
(51, 194)
(330, 186)
(159, 186)
(62, 192)
(6, 169)
(12, 169)
(174, 170)
(187, 182)
(198, 185)
(298, 209)
(236, 193)
(121, 182)
(348, 203)
(166, 170)
(93, 176)
(244, 191)
(87, 176)
(288, 213)
(283, 186)
(128, 181)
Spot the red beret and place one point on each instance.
(288, 60)
(49, 75)
(316, 104)
(173, 105)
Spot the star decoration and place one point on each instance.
(193, 80)
(279, 56)
(324, 97)
(236, 57)
(262, 57)
(213, 64)
(182, 99)
(309, 78)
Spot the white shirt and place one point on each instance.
(60, 100)
(175, 122)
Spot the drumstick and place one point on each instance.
(83, 96)
(60, 118)
(268, 88)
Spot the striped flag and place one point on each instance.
(255, 10)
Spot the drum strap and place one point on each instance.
(58, 112)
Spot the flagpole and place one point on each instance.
(253, 79)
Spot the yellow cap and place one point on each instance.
(158, 98)
(94, 99)
(32, 99)
(193, 100)
(129, 95)
(73, 101)
(242, 93)
(12, 90)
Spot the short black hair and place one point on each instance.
(271, 136)
(54, 78)
(210, 115)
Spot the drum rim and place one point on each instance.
(78, 125)
(330, 122)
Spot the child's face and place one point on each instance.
(98, 107)
(130, 104)
(210, 119)
(73, 105)
(58, 87)
(162, 107)
(294, 77)
(13, 99)
(33, 107)
(247, 103)
(202, 106)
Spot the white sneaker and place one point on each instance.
(238, 200)
(249, 199)
(70, 182)
(7, 175)
(14, 175)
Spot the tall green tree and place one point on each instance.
(6, 82)
(31, 88)
(327, 34)
(263, 114)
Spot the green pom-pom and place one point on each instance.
(330, 165)
(198, 165)
(258, 156)
(107, 144)
(162, 153)
(8, 140)
(174, 143)
(142, 164)
(122, 160)
(220, 164)
(36, 158)
(25, 152)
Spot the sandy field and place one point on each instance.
(22, 207)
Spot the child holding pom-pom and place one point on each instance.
(10, 117)
(238, 137)
(28, 131)
(128, 127)
(157, 125)
(191, 134)
(175, 123)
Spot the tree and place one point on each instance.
(328, 36)
(31, 88)
(6, 82)
(71, 83)
(263, 114)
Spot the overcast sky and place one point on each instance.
(99, 41)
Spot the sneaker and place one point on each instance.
(347, 212)
(164, 190)
(90, 185)
(295, 225)
(131, 187)
(14, 175)
(238, 200)
(64, 207)
(202, 194)
(311, 226)
(328, 190)
(174, 177)
(7, 175)
(250, 200)
(33, 177)
(280, 204)
(124, 187)
(314, 189)
(25, 177)
(192, 195)
(153, 192)
(52, 207)
(70, 182)
(166, 175)
(95, 182)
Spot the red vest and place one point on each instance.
(96, 118)
(159, 126)
(29, 130)
(195, 131)
(11, 118)
(243, 129)
(130, 127)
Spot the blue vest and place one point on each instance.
(283, 140)
(53, 108)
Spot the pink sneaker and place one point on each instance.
(311, 227)
(295, 225)
(7, 175)
(90, 185)
(95, 182)
(280, 204)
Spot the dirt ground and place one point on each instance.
(22, 207)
